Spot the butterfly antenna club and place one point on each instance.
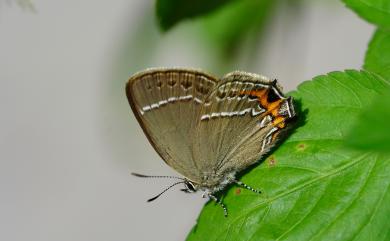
(166, 189)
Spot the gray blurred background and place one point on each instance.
(68, 138)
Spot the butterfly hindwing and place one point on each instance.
(244, 114)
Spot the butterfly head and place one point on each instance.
(190, 187)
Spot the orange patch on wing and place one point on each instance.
(279, 122)
(274, 107)
(259, 93)
(271, 107)
(256, 93)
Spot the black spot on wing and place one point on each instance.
(272, 96)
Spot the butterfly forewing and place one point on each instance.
(167, 104)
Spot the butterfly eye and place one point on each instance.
(190, 187)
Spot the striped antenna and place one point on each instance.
(149, 176)
(166, 189)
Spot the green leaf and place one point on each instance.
(313, 187)
(227, 26)
(170, 12)
(374, 11)
(378, 54)
(371, 132)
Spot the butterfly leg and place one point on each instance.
(246, 186)
(211, 196)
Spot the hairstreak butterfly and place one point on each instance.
(208, 129)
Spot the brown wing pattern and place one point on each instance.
(167, 104)
(239, 123)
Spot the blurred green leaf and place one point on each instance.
(170, 12)
(371, 132)
(378, 54)
(374, 11)
(229, 25)
(313, 187)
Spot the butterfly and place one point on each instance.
(208, 129)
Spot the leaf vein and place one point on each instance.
(300, 220)
(349, 89)
(374, 212)
(357, 195)
(300, 187)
